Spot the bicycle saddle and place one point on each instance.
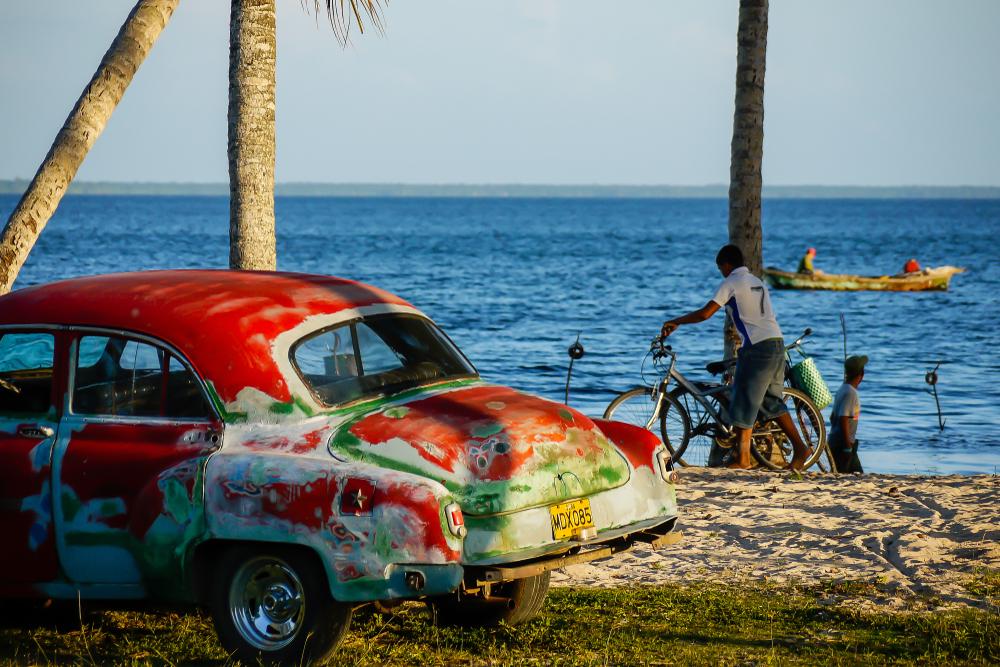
(717, 367)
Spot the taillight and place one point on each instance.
(456, 522)
(666, 468)
(358, 497)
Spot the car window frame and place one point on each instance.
(58, 357)
(73, 336)
(361, 362)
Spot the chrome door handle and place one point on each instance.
(36, 432)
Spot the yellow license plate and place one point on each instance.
(569, 519)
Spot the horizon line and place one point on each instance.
(521, 190)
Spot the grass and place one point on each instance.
(700, 624)
(984, 583)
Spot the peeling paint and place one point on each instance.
(135, 498)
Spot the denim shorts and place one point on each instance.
(760, 375)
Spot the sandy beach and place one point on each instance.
(922, 537)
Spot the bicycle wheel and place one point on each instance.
(636, 407)
(771, 447)
(705, 448)
(826, 462)
(675, 428)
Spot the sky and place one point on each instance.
(893, 92)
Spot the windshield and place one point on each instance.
(376, 356)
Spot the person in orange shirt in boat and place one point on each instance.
(912, 266)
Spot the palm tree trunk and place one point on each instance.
(748, 144)
(252, 46)
(78, 134)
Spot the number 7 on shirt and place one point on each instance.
(761, 290)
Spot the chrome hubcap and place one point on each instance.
(267, 603)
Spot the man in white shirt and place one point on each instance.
(760, 366)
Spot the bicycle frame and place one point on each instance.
(722, 421)
(673, 374)
(705, 414)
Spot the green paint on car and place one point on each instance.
(488, 430)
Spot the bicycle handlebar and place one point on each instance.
(658, 342)
(658, 349)
(799, 339)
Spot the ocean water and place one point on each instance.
(514, 281)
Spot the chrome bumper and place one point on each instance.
(657, 537)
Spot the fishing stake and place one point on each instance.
(575, 352)
(931, 378)
(843, 326)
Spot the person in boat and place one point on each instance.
(806, 263)
(760, 366)
(912, 266)
(844, 417)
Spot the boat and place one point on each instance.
(927, 280)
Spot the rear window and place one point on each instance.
(377, 356)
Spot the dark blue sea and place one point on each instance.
(513, 281)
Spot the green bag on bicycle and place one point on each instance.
(807, 377)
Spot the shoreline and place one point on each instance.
(912, 535)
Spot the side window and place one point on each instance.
(330, 366)
(376, 356)
(125, 378)
(26, 372)
(184, 398)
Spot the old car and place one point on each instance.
(286, 448)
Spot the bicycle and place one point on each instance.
(769, 441)
(694, 416)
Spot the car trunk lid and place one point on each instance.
(497, 450)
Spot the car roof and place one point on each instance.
(224, 321)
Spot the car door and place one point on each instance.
(129, 460)
(29, 417)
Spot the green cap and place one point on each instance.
(854, 365)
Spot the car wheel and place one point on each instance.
(512, 603)
(272, 605)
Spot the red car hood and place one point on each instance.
(495, 449)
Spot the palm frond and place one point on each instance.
(343, 13)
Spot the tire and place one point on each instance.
(770, 446)
(635, 407)
(705, 448)
(526, 598)
(272, 605)
(675, 428)
(826, 462)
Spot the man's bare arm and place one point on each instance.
(693, 317)
(845, 429)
